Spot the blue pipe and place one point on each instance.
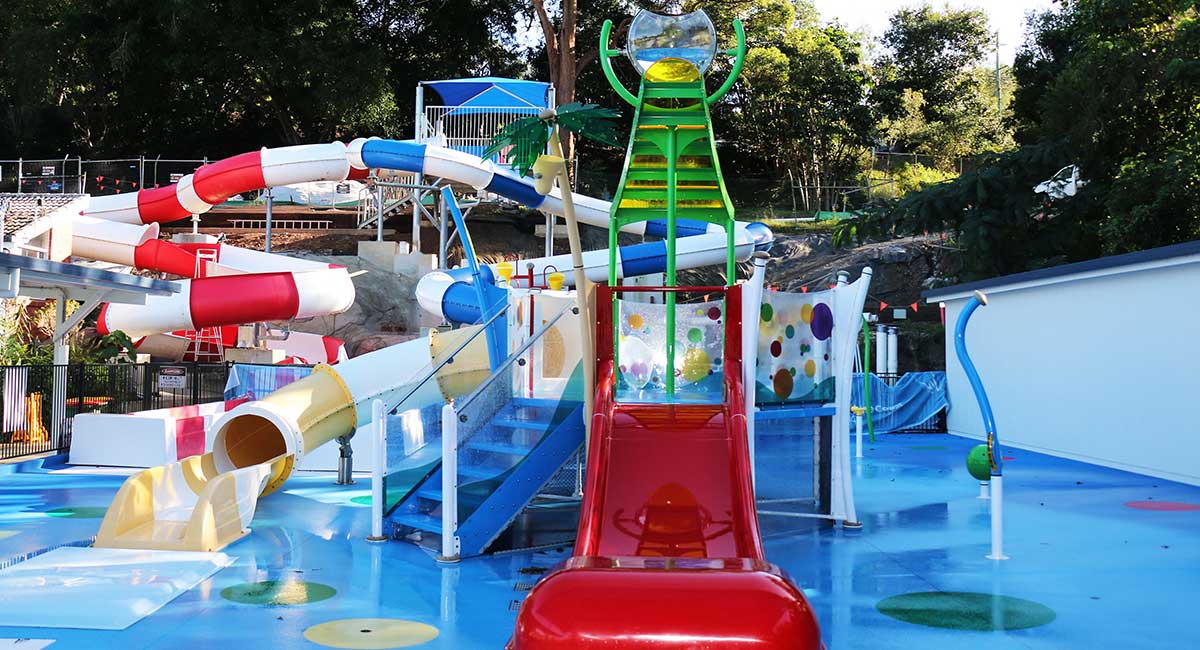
(487, 308)
(985, 407)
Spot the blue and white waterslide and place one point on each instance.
(450, 294)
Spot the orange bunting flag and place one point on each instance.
(882, 305)
(913, 306)
(803, 289)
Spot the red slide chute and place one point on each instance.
(668, 554)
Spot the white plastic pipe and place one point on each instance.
(858, 434)
(997, 519)
(752, 296)
(881, 350)
(379, 427)
(983, 490)
(449, 484)
(893, 361)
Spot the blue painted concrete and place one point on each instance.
(1117, 577)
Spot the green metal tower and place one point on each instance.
(671, 167)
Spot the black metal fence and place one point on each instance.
(38, 402)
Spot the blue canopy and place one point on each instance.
(492, 92)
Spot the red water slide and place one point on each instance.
(668, 554)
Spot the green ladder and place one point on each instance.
(671, 167)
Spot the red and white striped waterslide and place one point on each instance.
(216, 182)
(242, 285)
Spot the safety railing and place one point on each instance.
(410, 432)
(490, 432)
(39, 400)
(469, 128)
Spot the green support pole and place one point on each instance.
(670, 371)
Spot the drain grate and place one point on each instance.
(533, 570)
(514, 605)
(524, 586)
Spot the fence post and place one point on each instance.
(195, 382)
(20, 171)
(145, 368)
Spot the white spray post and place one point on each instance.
(989, 424)
(379, 429)
(858, 413)
(893, 352)
(450, 542)
(881, 350)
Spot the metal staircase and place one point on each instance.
(501, 468)
(501, 444)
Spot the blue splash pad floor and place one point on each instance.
(1116, 577)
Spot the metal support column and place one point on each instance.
(270, 211)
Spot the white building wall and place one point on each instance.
(1102, 367)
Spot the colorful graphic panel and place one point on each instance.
(642, 349)
(794, 348)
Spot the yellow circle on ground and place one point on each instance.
(810, 368)
(806, 313)
(371, 633)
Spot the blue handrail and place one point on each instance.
(985, 407)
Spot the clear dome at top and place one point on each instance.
(653, 37)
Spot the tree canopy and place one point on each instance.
(1111, 87)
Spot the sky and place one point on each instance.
(1007, 16)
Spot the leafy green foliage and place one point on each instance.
(528, 136)
(1110, 86)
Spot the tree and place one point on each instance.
(1111, 86)
(800, 105)
(933, 89)
(932, 52)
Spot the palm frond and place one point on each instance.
(527, 137)
(591, 121)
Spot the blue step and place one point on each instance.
(475, 471)
(500, 448)
(430, 492)
(535, 402)
(420, 522)
(528, 425)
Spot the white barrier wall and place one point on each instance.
(1098, 361)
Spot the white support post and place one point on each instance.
(752, 296)
(858, 433)
(378, 469)
(450, 542)
(881, 349)
(997, 520)
(893, 356)
(270, 219)
(378, 212)
(983, 490)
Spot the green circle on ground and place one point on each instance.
(84, 512)
(363, 500)
(965, 610)
(273, 593)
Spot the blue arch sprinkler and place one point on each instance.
(995, 461)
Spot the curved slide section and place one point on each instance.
(206, 502)
(448, 295)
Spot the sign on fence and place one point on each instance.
(175, 178)
(172, 377)
(342, 188)
(47, 170)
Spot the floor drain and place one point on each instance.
(514, 605)
(523, 586)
